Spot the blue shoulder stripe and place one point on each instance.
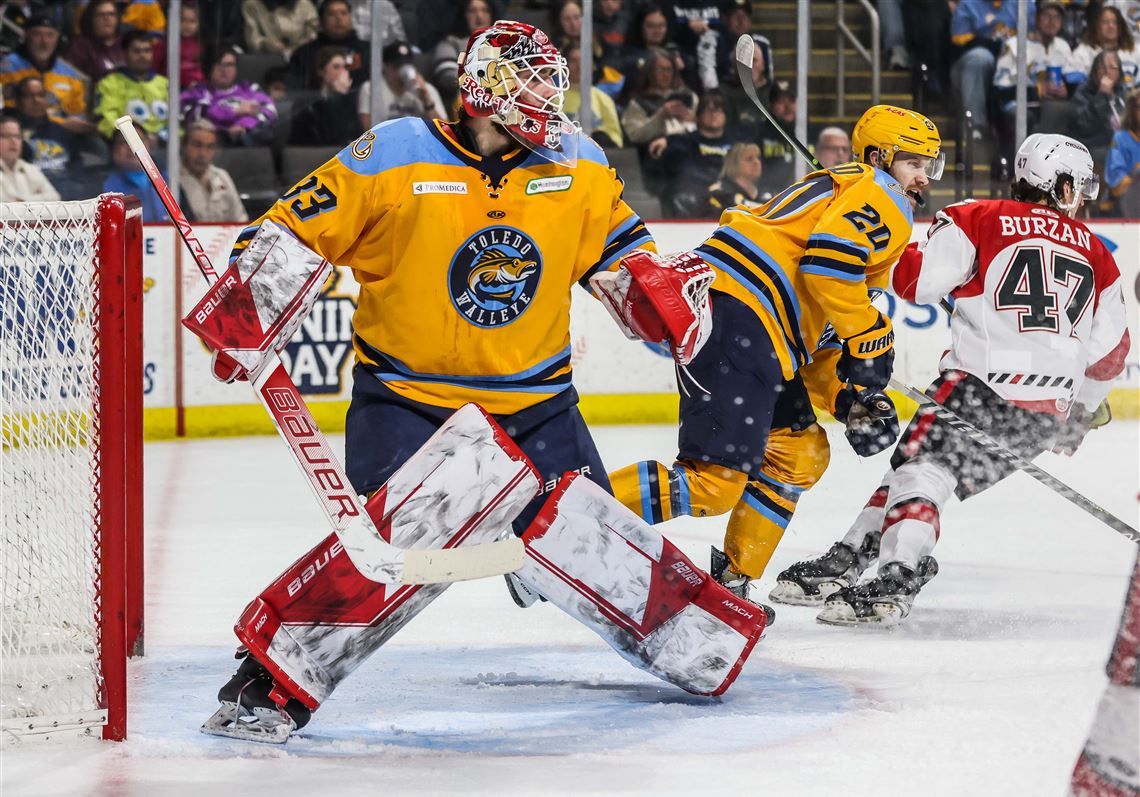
(885, 182)
(396, 143)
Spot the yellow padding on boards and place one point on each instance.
(626, 408)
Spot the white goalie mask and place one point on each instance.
(1043, 159)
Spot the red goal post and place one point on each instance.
(70, 464)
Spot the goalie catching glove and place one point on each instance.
(258, 303)
(660, 299)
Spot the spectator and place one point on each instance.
(20, 181)
(241, 112)
(470, 16)
(275, 83)
(39, 56)
(743, 115)
(331, 120)
(209, 191)
(611, 22)
(146, 16)
(98, 48)
(52, 148)
(1131, 11)
(391, 26)
(1122, 167)
(127, 177)
(1109, 32)
(221, 20)
(980, 28)
(278, 26)
(135, 89)
(1098, 105)
(833, 147)
(892, 34)
(736, 21)
(565, 20)
(606, 128)
(778, 155)
(189, 49)
(739, 182)
(1046, 56)
(692, 161)
(404, 92)
(649, 31)
(335, 31)
(694, 24)
(927, 27)
(660, 105)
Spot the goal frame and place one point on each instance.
(116, 487)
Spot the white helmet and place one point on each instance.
(1044, 158)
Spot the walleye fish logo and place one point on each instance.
(494, 275)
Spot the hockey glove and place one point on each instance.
(660, 299)
(871, 420)
(869, 357)
(1072, 432)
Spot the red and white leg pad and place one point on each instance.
(259, 302)
(321, 618)
(609, 569)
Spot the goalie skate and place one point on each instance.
(885, 600)
(253, 710)
(811, 582)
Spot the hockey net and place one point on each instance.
(70, 464)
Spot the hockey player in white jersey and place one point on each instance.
(1038, 335)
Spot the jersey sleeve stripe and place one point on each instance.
(818, 188)
(829, 267)
(837, 244)
(796, 353)
(618, 248)
(1111, 365)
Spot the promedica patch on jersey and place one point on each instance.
(493, 277)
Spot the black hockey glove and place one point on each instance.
(868, 357)
(1072, 432)
(871, 420)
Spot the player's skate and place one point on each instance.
(736, 583)
(810, 582)
(252, 709)
(523, 596)
(884, 600)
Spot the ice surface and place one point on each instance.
(987, 690)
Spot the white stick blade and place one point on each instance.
(745, 46)
(465, 563)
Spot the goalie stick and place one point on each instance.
(375, 558)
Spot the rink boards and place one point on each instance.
(620, 381)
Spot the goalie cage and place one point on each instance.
(70, 464)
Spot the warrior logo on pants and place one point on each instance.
(493, 276)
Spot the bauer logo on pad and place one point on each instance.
(439, 187)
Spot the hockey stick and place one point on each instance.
(375, 558)
(745, 48)
(982, 439)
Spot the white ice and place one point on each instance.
(988, 690)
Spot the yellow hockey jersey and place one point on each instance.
(807, 256)
(465, 264)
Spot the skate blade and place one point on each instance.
(266, 725)
(792, 594)
(885, 615)
(523, 596)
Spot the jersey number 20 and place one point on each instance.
(1024, 288)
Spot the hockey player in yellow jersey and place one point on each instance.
(466, 238)
(786, 272)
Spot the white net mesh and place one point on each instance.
(49, 471)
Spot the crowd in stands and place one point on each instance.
(270, 76)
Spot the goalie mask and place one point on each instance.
(513, 74)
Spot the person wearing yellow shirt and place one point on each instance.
(787, 272)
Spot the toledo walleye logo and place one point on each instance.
(493, 276)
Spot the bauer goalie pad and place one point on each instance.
(609, 569)
(660, 298)
(321, 618)
(259, 302)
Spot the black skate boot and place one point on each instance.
(250, 711)
(736, 583)
(810, 582)
(884, 600)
